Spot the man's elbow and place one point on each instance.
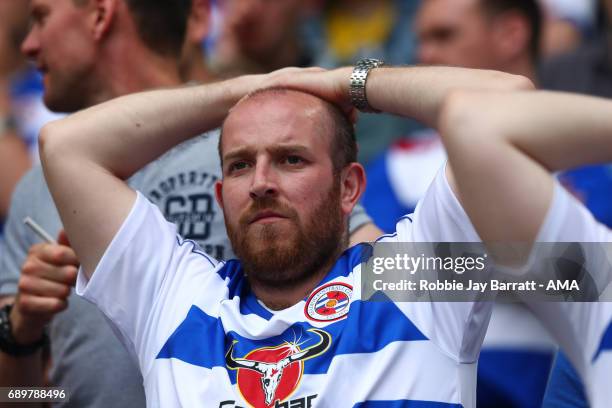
(511, 82)
(52, 142)
(522, 83)
(459, 111)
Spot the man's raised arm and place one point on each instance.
(415, 92)
(502, 148)
(86, 156)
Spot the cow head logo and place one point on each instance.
(271, 374)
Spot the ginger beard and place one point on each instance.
(287, 252)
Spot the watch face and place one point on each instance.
(5, 322)
(4, 318)
(7, 342)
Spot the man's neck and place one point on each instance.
(194, 69)
(276, 298)
(136, 72)
(288, 55)
(528, 70)
(522, 66)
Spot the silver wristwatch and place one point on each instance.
(359, 78)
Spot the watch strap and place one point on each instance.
(359, 78)
(7, 342)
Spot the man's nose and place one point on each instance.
(264, 184)
(30, 45)
(426, 54)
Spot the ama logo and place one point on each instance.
(270, 374)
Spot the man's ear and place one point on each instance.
(353, 185)
(104, 13)
(219, 193)
(199, 22)
(512, 33)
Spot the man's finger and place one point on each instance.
(59, 255)
(36, 286)
(62, 274)
(62, 238)
(41, 306)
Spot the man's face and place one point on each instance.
(60, 45)
(279, 195)
(455, 32)
(261, 26)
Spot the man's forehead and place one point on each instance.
(36, 5)
(277, 116)
(280, 95)
(39, 3)
(276, 108)
(442, 10)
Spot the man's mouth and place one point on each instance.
(42, 68)
(267, 216)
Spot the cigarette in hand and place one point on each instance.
(38, 230)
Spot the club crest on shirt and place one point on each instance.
(269, 375)
(329, 302)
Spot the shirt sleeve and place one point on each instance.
(438, 217)
(577, 326)
(458, 328)
(359, 217)
(147, 280)
(12, 254)
(17, 240)
(564, 388)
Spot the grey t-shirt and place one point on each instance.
(87, 359)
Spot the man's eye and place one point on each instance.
(294, 160)
(38, 17)
(237, 166)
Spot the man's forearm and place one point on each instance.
(14, 163)
(502, 148)
(21, 371)
(420, 92)
(556, 130)
(126, 133)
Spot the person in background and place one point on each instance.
(15, 159)
(567, 23)
(259, 36)
(588, 69)
(87, 52)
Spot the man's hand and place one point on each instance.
(332, 86)
(414, 92)
(47, 277)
